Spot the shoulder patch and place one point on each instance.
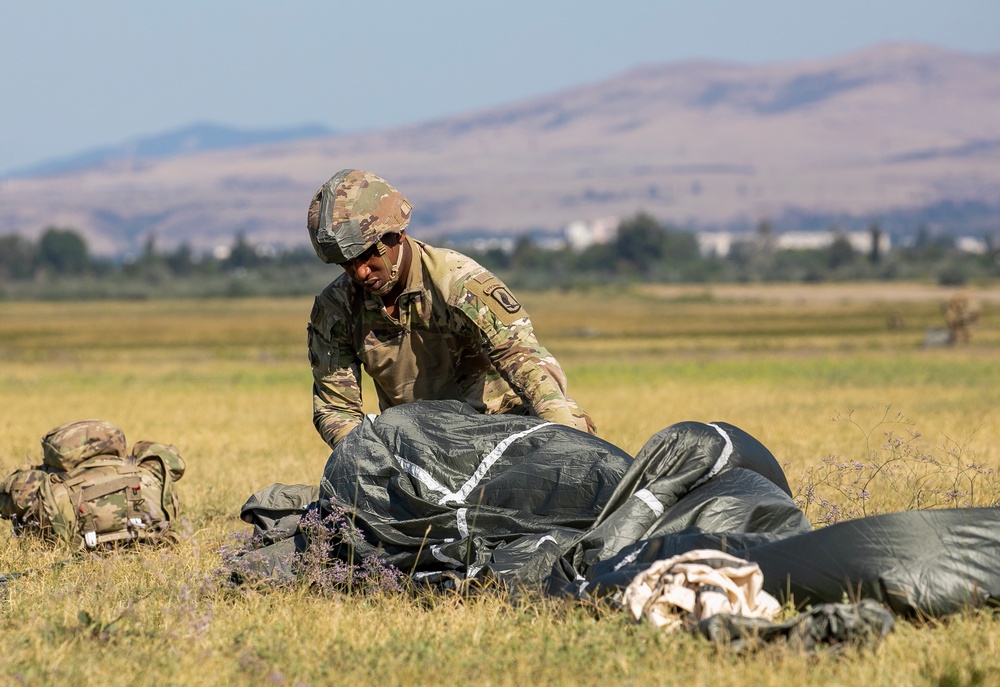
(496, 296)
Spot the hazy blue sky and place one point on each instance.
(77, 75)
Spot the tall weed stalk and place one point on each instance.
(894, 470)
(320, 566)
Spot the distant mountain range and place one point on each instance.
(196, 138)
(901, 134)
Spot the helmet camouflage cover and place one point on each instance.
(352, 211)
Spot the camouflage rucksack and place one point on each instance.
(88, 491)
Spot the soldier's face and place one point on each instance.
(369, 269)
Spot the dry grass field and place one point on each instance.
(814, 372)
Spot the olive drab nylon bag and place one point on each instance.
(89, 492)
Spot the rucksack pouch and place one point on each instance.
(19, 496)
(105, 500)
(147, 453)
(68, 445)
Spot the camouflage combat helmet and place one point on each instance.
(351, 212)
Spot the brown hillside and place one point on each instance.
(895, 127)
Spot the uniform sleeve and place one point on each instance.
(509, 340)
(336, 374)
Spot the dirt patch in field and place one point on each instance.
(806, 294)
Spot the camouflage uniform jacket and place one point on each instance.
(460, 334)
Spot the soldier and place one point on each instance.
(960, 314)
(425, 323)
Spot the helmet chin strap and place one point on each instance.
(393, 269)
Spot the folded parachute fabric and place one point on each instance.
(681, 591)
(445, 493)
(437, 487)
(275, 511)
(832, 626)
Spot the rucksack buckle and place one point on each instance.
(90, 539)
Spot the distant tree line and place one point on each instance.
(60, 265)
(646, 250)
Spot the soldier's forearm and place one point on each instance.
(333, 429)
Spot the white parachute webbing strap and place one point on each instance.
(646, 496)
(630, 558)
(421, 475)
(428, 480)
(462, 522)
(722, 460)
(547, 537)
(459, 496)
(486, 463)
(441, 556)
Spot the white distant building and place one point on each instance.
(717, 244)
(861, 241)
(804, 240)
(502, 243)
(970, 244)
(720, 243)
(580, 234)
